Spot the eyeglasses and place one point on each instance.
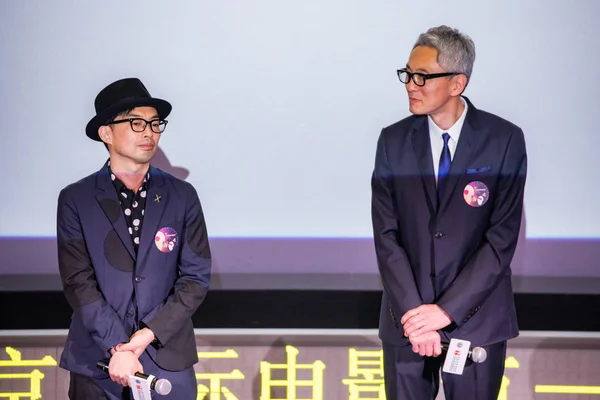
(139, 124)
(420, 79)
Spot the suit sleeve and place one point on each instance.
(194, 276)
(79, 280)
(491, 262)
(394, 268)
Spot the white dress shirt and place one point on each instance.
(437, 142)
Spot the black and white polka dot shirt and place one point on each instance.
(133, 205)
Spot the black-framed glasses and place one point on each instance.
(139, 124)
(420, 79)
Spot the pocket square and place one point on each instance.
(478, 170)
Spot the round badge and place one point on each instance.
(166, 239)
(476, 194)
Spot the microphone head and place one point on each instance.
(478, 354)
(162, 387)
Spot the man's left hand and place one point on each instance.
(423, 319)
(137, 342)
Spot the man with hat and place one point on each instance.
(133, 255)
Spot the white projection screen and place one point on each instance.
(277, 106)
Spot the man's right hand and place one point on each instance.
(428, 344)
(122, 365)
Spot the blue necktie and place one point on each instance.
(444, 169)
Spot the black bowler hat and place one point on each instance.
(119, 96)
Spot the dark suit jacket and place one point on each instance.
(450, 254)
(101, 272)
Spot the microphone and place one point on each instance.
(160, 386)
(476, 354)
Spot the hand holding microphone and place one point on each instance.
(160, 386)
(420, 325)
(475, 354)
(122, 365)
(124, 357)
(430, 344)
(457, 353)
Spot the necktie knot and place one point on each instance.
(446, 137)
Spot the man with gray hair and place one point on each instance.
(447, 198)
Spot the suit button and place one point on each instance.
(438, 235)
(138, 279)
(129, 313)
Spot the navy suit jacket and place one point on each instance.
(112, 290)
(448, 252)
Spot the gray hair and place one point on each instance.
(456, 51)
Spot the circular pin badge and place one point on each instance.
(476, 194)
(166, 239)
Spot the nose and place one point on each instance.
(411, 87)
(148, 132)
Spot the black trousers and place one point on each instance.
(84, 388)
(408, 376)
(184, 385)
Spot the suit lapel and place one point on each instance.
(156, 203)
(469, 136)
(422, 147)
(106, 196)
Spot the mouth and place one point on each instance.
(146, 146)
(412, 100)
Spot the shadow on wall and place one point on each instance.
(161, 161)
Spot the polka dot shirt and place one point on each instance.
(133, 205)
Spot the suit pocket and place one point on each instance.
(478, 170)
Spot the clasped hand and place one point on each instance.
(420, 326)
(124, 359)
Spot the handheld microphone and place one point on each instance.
(476, 354)
(160, 386)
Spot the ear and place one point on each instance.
(105, 134)
(459, 84)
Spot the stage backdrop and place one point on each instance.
(277, 110)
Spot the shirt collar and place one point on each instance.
(454, 130)
(120, 186)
